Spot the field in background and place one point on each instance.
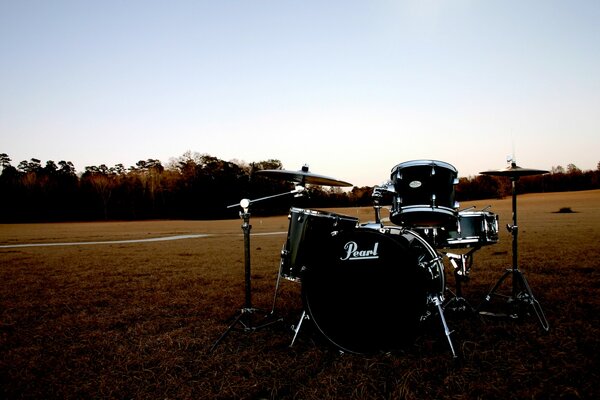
(135, 320)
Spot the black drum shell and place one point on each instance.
(307, 228)
(473, 229)
(424, 193)
(374, 301)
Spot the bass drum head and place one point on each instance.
(367, 292)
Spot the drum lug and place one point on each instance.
(429, 267)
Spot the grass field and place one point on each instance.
(136, 319)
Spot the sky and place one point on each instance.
(351, 88)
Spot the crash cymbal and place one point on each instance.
(514, 171)
(303, 177)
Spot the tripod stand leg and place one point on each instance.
(236, 321)
(521, 294)
(492, 292)
(244, 318)
(532, 301)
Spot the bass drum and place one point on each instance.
(370, 288)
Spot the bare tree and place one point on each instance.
(102, 181)
(572, 169)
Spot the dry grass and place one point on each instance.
(136, 320)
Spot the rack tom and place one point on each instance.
(424, 193)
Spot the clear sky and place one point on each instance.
(350, 87)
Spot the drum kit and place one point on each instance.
(369, 287)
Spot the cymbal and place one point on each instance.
(514, 171)
(303, 177)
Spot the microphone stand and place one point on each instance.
(244, 315)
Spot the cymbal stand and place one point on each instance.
(521, 294)
(243, 316)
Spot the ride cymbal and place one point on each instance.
(514, 171)
(303, 177)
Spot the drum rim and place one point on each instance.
(426, 208)
(476, 213)
(404, 214)
(321, 213)
(424, 163)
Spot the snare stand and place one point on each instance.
(521, 294)
(462, 265)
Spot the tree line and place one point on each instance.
(200, 186)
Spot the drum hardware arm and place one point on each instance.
(377, 207)
(378, 192)
(246, 203)
(464, 268)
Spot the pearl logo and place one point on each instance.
(415, 184)
(353, 253)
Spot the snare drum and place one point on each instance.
(306, 232)
(474, 229)
(424, 193)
